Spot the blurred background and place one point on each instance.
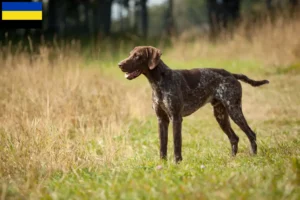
(150, 18)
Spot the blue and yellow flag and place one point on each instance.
(22, 11)
(22, 14)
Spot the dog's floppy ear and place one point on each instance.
(153, 56)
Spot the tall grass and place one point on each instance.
(52, 113)
(273, 43)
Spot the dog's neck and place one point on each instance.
(158, 74)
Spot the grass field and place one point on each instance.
(74, 128)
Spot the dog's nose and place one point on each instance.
(120, 64)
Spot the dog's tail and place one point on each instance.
(245, 79)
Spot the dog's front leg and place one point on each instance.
(163, 124)
(177, 123)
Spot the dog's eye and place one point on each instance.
(137, 57)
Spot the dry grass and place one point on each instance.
(274, 44)
(51, 113)
(57, 115)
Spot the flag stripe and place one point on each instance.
(22, 15)
(22, 6)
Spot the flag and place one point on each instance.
(22, 14)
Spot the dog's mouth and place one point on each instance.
(133, 75)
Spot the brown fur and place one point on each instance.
(179, 93)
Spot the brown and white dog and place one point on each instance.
(179, 93)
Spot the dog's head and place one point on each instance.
(141, 59)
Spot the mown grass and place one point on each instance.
(74, 128)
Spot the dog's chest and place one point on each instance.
(161, 99)
(166, 100)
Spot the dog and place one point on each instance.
(179, 93)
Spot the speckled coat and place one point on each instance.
(179, 93)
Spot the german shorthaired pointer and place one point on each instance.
(179, 93)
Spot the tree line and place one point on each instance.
(94, 17)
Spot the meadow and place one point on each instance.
(72, 127)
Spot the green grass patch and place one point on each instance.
(207, 171)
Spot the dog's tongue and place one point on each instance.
(132, 75)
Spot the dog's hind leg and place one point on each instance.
(236, 114)
(222, 118)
